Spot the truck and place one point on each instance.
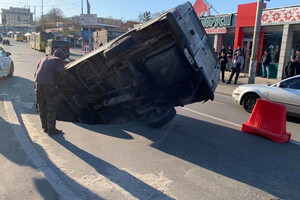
(143, 74)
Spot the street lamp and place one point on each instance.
(253, 59)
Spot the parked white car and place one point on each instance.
(286, 92)
(6, 63)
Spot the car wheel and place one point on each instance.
(156, 121)
(11, 71)
(119, 47)
(249, 102)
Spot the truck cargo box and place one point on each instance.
(142, 74)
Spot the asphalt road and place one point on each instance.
(201, 154)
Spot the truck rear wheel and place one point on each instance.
(156, 120)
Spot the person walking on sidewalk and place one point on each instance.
(223, 62)
(237, 63)
(266, 60)
(229, 58)
(47, 76)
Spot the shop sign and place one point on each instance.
(217, 21)
(216, 30)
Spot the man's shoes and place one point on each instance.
(264, 76)
(223, 81)
(227, 82)
(54, 132)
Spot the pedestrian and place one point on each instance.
(291, 67)
(238, 48)
(223, 49)
(265, 60)
(48, 73)
(237, 63)
(298, 55)
(223, 62)
(229, 58)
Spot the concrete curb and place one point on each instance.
(58, 185)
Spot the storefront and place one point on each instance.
(280, 33)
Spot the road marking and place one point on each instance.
(225, 121)
(214, 118)
(295, 142)
(217, 103)
(63, 191)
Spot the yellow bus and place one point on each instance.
(18, 37)
(41, 40)
(32, 41)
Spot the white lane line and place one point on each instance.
(217, 103)
(295, 142)
(63, 191)
(211, 117)
(225, 121)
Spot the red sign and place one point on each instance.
(201, 7)
(215, 30)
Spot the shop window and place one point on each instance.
(296, 41)
(228, 40)
(211, 39)
(272, 43)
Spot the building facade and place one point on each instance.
(280, 33)
(17, 18)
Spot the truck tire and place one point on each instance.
(158, 121)
(119, 47)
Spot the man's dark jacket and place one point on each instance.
(266, 60)
(50, 68)
(292, 69)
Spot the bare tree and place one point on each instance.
(144, 17)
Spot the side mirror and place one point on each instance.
(8, 54)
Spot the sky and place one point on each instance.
(129, 9)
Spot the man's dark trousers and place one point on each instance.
(235, 70)
(45, 99)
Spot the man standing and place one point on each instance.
(265, 60)
(237, 63)
(298, 55)
(223, 50)
(229, 58)
(238, 48)
(47, 75)
(292, 68)
(223, 62)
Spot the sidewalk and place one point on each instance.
(227, 89)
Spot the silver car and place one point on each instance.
(286, 92)
(6, 63)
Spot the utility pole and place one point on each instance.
(42, 15)
(253, 59)
(89, 28)
(81, 25)
(34, 19)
